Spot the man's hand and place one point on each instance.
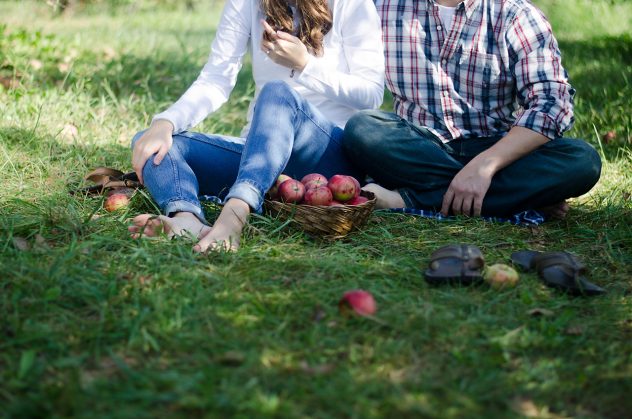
(283, 48)
(156, 140)
(467, 190)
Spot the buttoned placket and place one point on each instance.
(447, 47)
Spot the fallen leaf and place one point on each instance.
(231, 358)
(525, 407)
(608, 137)
(36, 64)
(316, 369)
(537, 312)
(69, 132)
(109, 53)
(574, 330)
(9, 82)
(21, 243)
(144, 279)
(40, 242)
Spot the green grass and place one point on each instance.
(95, 324)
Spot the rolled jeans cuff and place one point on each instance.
(185, 206)
(248, 193)
(405, 194)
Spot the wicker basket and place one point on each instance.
(329, 222)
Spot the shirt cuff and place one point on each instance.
(312, 74)
(539, 122)
(167, 116)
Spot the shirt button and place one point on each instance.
(439, 27)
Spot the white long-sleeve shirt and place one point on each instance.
(349, 76)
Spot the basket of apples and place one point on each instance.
(323, 207)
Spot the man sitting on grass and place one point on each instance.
(481, 103)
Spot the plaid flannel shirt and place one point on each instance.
(499, 66)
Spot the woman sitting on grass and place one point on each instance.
(314, 65)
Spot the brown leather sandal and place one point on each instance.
(107, 179)
(456, 264)
(561, 270)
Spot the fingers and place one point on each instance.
(284, 36)
(268, 31)
(447, 202)
(138, 162)
(162, 152)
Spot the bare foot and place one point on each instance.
(181, 224)
(385, 197)
(226, 232)
(556, 211)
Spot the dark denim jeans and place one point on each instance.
(399, 155)
(287, 135)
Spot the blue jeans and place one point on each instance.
(402, 156)
(288, 135)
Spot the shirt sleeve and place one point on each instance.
(362, 86)
(543, 90)
(218, 77)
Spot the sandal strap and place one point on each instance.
(468, 253)
(564, 260)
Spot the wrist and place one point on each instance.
(162, 125)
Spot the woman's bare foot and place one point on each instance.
(385, 197)
(556, 211)
(181, 224)
(226, 232)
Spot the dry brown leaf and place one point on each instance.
(536, 312)
(574, 330)
(231, 358)
(316, 369)
(9, 82)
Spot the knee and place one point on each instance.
(361, 133)
(276, 89)
(584, 162)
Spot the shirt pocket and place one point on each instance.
(481, 79)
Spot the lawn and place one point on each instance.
(94, 324)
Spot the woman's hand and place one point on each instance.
(283, 48)
(156, 140)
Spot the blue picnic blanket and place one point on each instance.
(524, 218)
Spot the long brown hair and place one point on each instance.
(314, 24)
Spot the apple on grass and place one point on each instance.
(500, 276)
(357, 302)
(116, 201)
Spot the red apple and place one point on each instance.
(291, 191)
(314, 180)
(116, 201)
(357, 184)
(335, 203)
(359, 302)
(357, 200)
(342, 187)
(320, 195)
(501, 276)
(273, 192)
